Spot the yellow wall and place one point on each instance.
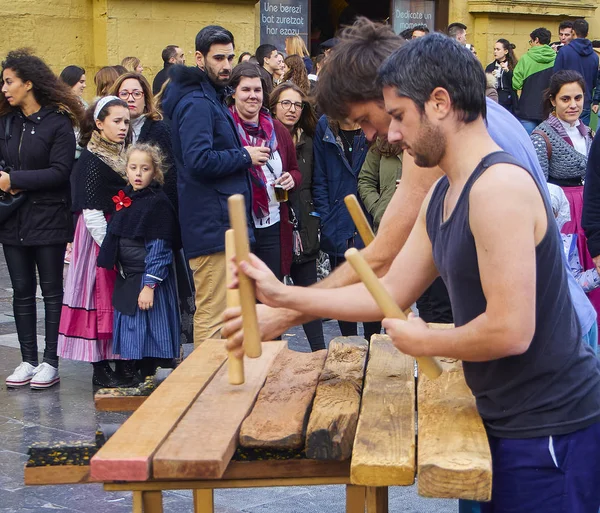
(96, 33)
(489, 20)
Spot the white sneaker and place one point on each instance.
(21, 376)
(45, 376)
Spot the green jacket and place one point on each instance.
(537, 59)
(377, 183)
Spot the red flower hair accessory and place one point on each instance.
(121, 201)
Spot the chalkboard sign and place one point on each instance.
(409, 13)
(283, 18)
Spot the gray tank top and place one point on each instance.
(554, 387)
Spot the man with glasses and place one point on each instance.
(211, 166)
(532, 76)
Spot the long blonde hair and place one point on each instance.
(294, 45)
(131, 63)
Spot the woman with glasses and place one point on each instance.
(289, 105)
(272, 182)
(148, 126)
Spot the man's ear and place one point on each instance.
(200, 60)
(440, 103)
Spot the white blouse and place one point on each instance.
(578, 140)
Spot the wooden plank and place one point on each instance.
(332, 423)
(107, 402)
(356, 497)
(377, 499)
(454, 459)
(127, 456)
(58, 475)
(279, 417)
(204, 441)
(384, 446)
(301, 468)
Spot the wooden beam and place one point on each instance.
(356, 497)
(108, 402)
(300, 468)
(332, 424)
(279, 417)
(204, 441)
(204, 500)
(127, 456)
(454, 459)
(377, 500)
(384, 447)
(58, 475)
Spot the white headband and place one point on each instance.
(101, 104)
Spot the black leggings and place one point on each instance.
(22, 262)
(268, 248)
(350, 329)
(304, 275)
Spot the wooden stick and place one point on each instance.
(360, 220)
(237, 218)
(387, 304)
(235, 365)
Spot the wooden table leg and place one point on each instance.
(137, 502)
(377, 499)
(152, 502)
(355, 499)
(204, 501)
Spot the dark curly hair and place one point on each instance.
(88, 124)
(297, 73)
(46, 86)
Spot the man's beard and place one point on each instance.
(430, 148)
(219, 81)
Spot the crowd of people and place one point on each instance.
(131, 191)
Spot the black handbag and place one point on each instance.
(9, 203)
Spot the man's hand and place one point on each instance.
(408, 336)
(595, 109)
(258, 154)
(272, 323)
(146, 298)
(269, 290)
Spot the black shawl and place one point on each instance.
(148, 216)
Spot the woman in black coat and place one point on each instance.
(37, 146)
(148, 126)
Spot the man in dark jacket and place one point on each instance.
(171, 55)
(579, 56)
(211, 166)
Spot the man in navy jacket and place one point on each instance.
(211, 166)
(579, 56)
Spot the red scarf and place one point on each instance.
(262, 134)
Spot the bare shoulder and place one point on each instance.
(506, 183)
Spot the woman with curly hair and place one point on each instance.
(37, 147)
(295, 72)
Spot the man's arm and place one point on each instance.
(412, 271)
(396, 224)
(196, 136)
(519, 75)
(508, 219)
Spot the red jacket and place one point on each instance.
(287, 151)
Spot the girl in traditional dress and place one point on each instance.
(85, 331)
(141, 237)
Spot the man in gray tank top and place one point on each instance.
(487, 229)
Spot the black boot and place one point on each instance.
(125, 373)
(104, 376)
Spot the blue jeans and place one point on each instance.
(529, 125)
(585, 116)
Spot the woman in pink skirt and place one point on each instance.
(86, 323)
(562, 143)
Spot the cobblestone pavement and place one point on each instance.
(66, 412)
